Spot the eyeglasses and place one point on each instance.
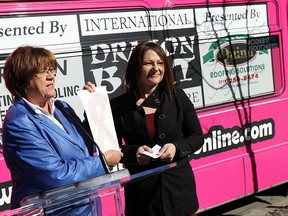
(47, 72)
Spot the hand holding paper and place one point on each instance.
(97, 107)
(155, 149)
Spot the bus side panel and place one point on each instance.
(271, 156)
(271, 168)
(220, 182)
(259, 164)
(5, 185)
(256, 158)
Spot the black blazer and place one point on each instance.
(171, 192)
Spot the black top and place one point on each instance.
(171, 192)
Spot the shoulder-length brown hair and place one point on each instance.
(135, 63)
(22, 65)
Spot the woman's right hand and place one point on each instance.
(113, 157)
(141, 158)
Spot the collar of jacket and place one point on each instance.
(157, 95)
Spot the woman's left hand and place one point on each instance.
(89, 86)
(167, 152)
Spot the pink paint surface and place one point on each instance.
(5, 173)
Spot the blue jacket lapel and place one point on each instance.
(71, 132)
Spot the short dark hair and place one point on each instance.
(22, 65)
(135, 63)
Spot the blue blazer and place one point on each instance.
(40, 155)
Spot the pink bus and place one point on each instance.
(228, 56)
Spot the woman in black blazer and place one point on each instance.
(153, 111)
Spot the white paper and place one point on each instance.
(97, 107)
(155, 149)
